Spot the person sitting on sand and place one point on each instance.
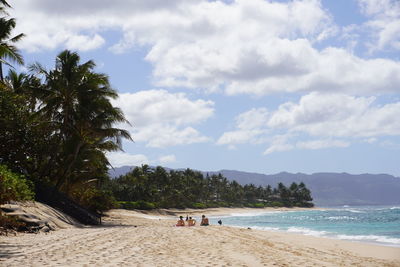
(180, 222)
(191, 222)
(204, 220)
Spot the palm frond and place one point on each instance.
(10, 52)
(37, 68)
(4, 3)
(17, 38)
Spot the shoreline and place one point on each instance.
(136, 238)
(217, 213)
(372, 243)
(366, 249)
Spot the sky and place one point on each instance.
(251, 85)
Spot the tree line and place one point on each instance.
(56, 124)
(146, 187)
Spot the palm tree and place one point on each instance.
(77, 100)
(8, 52)
(304, 192)
(16, 81)
(3, 5)
(284, 193)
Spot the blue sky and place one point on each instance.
(252, 85)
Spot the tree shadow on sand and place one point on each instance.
(8, 251)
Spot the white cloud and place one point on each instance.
(239, 137)
(118, 159)
(370, 140)
(84, 43)
(384, 22)
(159, 106)
(390, 145)
(242, 47)
(282, 143)
(252, 119)
(279, 143)
(162, 119)
(299, 67)
(249, 128)
(164, 135)
(247, 48)
(167, 159)
(327, 120)
(336, 115)
(320, 144)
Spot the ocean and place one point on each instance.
(370, 224)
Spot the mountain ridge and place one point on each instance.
(328, 188)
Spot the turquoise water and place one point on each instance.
(364, 224)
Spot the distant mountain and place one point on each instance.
(115, 172)
(328, 189)
(332, 188)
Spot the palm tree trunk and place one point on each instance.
(63, 177)
(1, 72)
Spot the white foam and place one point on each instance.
(372, 238)
(306, 231)
(355, 211)
(252, 214)
(262, 228)
(265, 228)
(219, 216)
(383, 240)
(338, 218)
(391, 241)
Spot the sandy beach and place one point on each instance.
(132, 238)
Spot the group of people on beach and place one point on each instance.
(192, 222)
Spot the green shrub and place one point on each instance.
(98, 200)
(14, 186)
(179, 206)
(198, 205)
(212, 205)
(117, 205)
(276, 204)
(144, 205)
(223, 204)
(137, 205)
(129, 205)
(306, 204)
(258, 205)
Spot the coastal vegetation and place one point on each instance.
(14, 186)
(57, 126)
(147, 188)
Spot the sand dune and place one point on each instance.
(131, 238)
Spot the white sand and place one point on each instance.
(148, 239)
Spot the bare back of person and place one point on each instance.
(180, 222)
(204, 221)
(191, 222)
